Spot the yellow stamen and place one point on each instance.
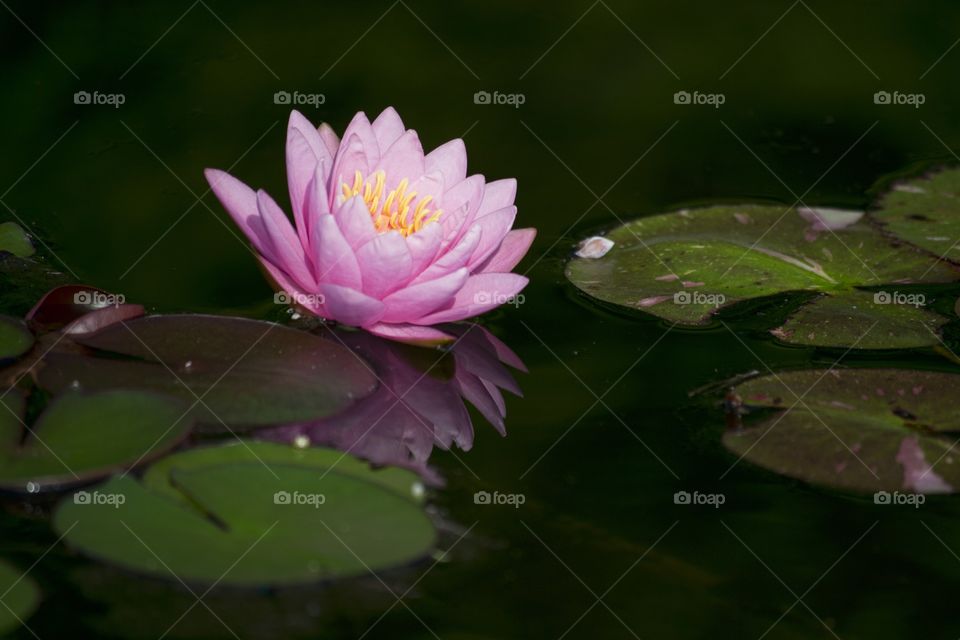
(397, 206)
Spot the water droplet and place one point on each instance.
(301, 441)
(418, 490)
(188, 365)
(33, 487)
(75, 385)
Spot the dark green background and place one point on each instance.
(595, 104)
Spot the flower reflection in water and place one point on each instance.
(420, 402)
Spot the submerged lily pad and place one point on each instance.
(857, 429)
(925, 211)
(15, 338)
(20, 597)
(865, 320)
(279, 517)
(13, 239)
(248, 373)
(685, 266)
(81, 437)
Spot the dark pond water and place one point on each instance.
(606, 432)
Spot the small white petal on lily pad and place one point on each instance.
(594, 247)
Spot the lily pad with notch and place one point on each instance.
(246, 522)
(82, 437)
(685, 266)
(237, 373)
(861, 430)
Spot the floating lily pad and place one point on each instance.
(15, 338)
(81, 437)
(243, 521)
(400, 481)
(13, 239)
(248, 373)
(925, 211)
(685, 266)
(856, 429)
(865, 320)
(20, 597)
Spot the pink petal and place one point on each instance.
(288, 251)
(479, 294)
(497, 195)
(453, 259)
(359, 126)
(329, 139)
(304, 151)
(412, 302)
(460, 205)
(387, 127)
(350, 159)
(334, 260)
(404, 159)
(450, 159)
(348, 306)
(495, 227)
(356, 224)
(424, 246)
(511, 251)
(411, 334)
(316, 202)
(471, 387)
(240, 201)
(385, 264)
(429, 184)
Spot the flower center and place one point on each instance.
(395, 210)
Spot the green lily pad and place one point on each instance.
(865, 320)
(925, 211)
(856, 429)
(400, 481)
(81, 437)
(13, 239)
(248, 373)
(685, 266)
(15, 338)
(242, 521)
(20, 597)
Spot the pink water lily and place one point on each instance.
(385, 237)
